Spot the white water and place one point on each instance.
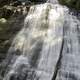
(70, 61)
(49, 39)
(38, 44)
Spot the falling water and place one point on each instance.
(47, 46)
(70, 62)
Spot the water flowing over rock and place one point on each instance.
(33, 54)
(70, 61)
(47, 47)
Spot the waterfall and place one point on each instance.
(47, 47)
(70, 62)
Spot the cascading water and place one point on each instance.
(47, 46)
(70, 61)
(33, 54)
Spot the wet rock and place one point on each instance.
(8, 29)
(3, 20)
(16, 3)
(38, 1)
(6, 13)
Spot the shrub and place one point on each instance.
(71, 3)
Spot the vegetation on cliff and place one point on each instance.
(71, 3)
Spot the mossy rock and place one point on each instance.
(3, 25)
(6, 12)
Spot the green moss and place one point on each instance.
(71, 3)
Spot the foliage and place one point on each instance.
(71, 3)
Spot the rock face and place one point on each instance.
(40, 1)
(11, 20)
(8, 29)
(47, 47)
